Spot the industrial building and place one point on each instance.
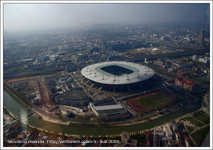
(73, 98)
(108, 110)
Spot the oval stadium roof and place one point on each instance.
(117, 72)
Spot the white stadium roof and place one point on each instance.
(138, 73)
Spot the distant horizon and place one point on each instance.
(199, 26)
(34, 17)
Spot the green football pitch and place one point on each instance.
(152, 100)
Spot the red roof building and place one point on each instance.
(185, 83)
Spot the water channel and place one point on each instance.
(17, 108)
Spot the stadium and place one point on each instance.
(117, 75)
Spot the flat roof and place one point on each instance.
(104, 103)
(108, 107)
(75, 94)
(95, 73)
(111, 111)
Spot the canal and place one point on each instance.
(17, 108)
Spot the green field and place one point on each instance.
(196, 122)
(153, 100)
(202, 117)
(199, 135)
(190, 129)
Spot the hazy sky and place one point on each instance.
(43, 16)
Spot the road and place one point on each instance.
(43, 91)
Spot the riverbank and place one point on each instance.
(77, 129)
(107, 124)
(12, 92)
(84, 135)
(109, 134)
(52, 119)
(10, 113)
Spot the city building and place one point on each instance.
(204, 60)
(194, 57)
(188, 142)
(158, 136)
(39, 59)
(54, 57)
(37, 99)
(73, 98)
(178, 136)
(206, 102)
(69, 68)
(201, 37)
(186, 83)
(46, 58)
(184, 71)
(12, 130)
(126, 141)
(168, 132)
(145, 61)
(149, 138)
(158, 63)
